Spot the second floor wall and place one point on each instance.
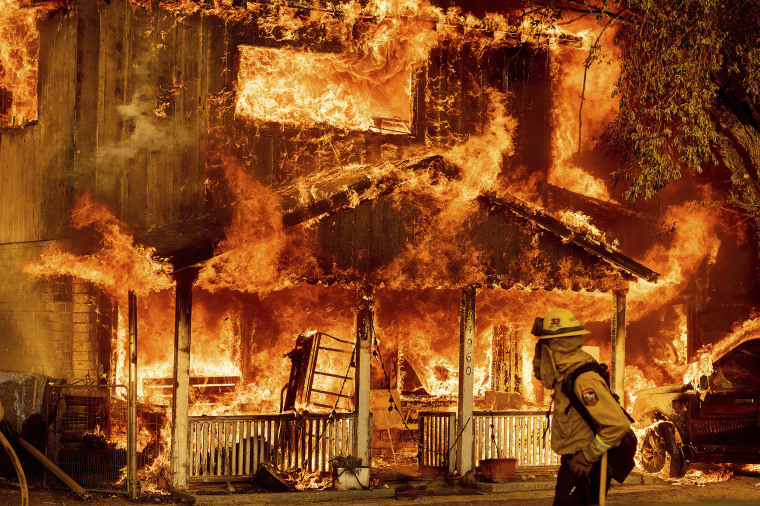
(139, 106)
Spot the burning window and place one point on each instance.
(345, 90)
(19, 49)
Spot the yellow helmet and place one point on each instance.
(558, 323)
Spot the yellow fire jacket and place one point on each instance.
(571, 433)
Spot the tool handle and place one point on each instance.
(603, 481)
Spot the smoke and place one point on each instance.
(146, 137)
(145, 119)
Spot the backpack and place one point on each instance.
(619, 458)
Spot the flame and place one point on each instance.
(149, 475)
(696, 242)
(422, 326)
(407, 332)
(19, 53)
(692, 248)
(119, 264)
(575, 166)
(119, 364)
(241, 336)
(304, 480)
(582, 223)
(521, 307)
(257, 255)
(702, 363)
(717, 473)
(480, 156)
(635, 380)
(371, 78)
(271, 88)
(698, 368)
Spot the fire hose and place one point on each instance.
(19, 470)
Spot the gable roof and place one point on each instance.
(338, 190)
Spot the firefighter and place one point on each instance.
(558, 353)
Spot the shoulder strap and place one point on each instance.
(568, 388)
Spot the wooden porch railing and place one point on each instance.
(231, 448)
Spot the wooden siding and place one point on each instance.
(154, 80)
(36, 160)
(361, 241)
(368, 236)
(104, 70)
(124, 113)
(449, 103)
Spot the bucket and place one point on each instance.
(498, 470)
(347, 479)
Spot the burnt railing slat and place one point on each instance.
(233, 447)
(498, 434)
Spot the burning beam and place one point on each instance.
(181, 399)
(332, 191)
(189, 242)
(618, 343)
(132, 404)
(556, 227)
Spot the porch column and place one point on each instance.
(181, 386)
(466, 371)
(364, 337)
(132, 398)
(617, 373)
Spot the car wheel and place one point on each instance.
(653, 451)
(660, 450)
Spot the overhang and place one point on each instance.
(342, 194)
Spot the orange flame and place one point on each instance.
(576, 166)
(19, 52)
(372, 78)
(257, 255)
(119, 264)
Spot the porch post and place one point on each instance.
(132, 398)
(181, 384)
(364, 337)
(617, 375)
(465, 423)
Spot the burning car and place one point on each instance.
(715, 420)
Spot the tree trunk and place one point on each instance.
(739, 151)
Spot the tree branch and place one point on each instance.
(589, 60)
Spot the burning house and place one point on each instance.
(238, 234)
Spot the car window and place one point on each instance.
(739, 370)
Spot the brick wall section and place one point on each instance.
(47, 325)
(84, 339)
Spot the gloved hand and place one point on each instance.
(579, 465)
